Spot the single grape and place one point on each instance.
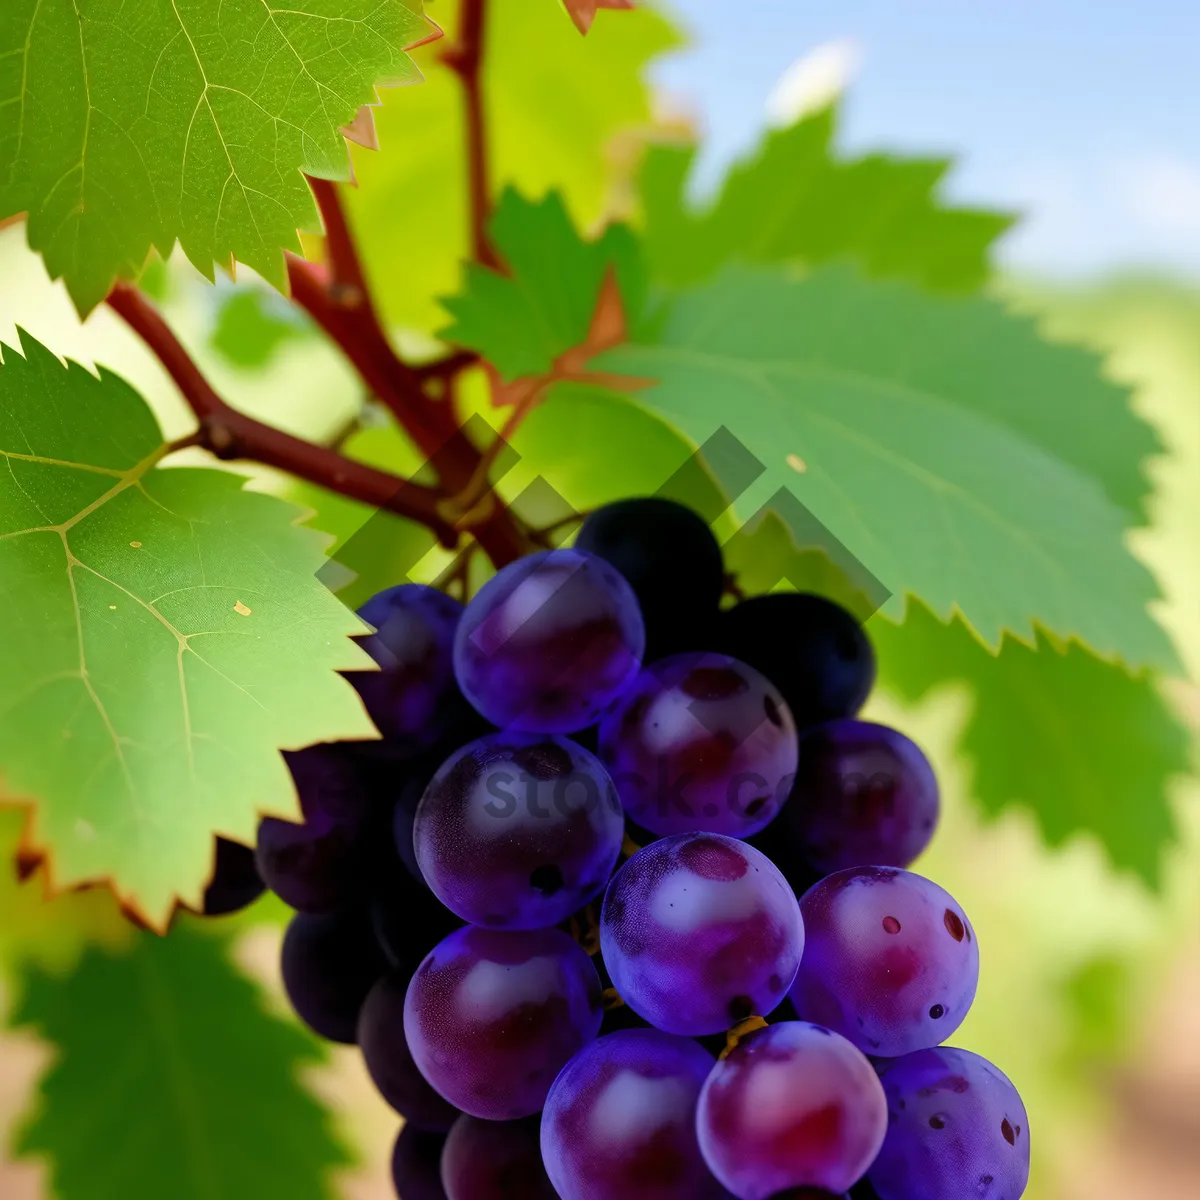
(315, 866)
(408, 921)
(620, 1121)
(549, 642)
(390, 1062)
(792, 1106)
(518, 830)
(864, 796)
(672, 562)
(811, 649)
(413, 698)
(330, 963)
(417, 1164)
(891, 961)
(956, 1127)
(700, 742)
(492, 1016)
(235, 883)
(404, 818)
(495, 1160)
(700, 931)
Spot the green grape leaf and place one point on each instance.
(253, 324)
(171, 1079)
(543, 305)
(554, 102)
(163, 634)
(125, 126)
(1085, 745)
(908, 426)
(795, 200)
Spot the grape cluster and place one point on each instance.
(619, 908)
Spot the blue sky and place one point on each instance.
(1085, 114)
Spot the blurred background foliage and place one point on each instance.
(1071, 831)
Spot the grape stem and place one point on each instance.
(230, 434)
(466, 60)
(741, 1031)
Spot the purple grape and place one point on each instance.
(891, 961)
(518, 830)
(700, 742)
(670, 558)
(330, 963)
(549, 642)
(417, 1164)
(495, 1160)
(700, 931)
(413, 698)
(390, 1062)
(620, 1121)
(491, 1017)
(235, 883)
(314, 866)
(813, 650)
(956, 1127)
(864, 796)
(793, 1106)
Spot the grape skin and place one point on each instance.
(671, 560)
(549, 642)
(864, 796)
(235, 882)
(495, 1160)
(416, 1164)
(699, 931)
(811, 649)
(329, 964)
(492, 1016)
(518, 831)
(620, 1121)
(891, 963)
(314, 866)
(413, 698)
(700, 742)
(390, 1062)
(956, 1127)
(792, 1106)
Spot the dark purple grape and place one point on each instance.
(404, 817)
(620, 1121)
(235, 883)
(671, 560)
(390, 1062)
(413, 698)
(793, 1106)
(811, 649)
(956, 1128)
(330, 963)
(315, 866)
(408, 921)
(700, 931)
(700, 742)
(549, 642)
(417, 1164)
(864, 796)
(492, 1016)
(518, 830)
(891, 961)
(495, 1160)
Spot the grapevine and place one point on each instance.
(567, 780)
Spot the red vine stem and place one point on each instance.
(230, 434)
(466, 61)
